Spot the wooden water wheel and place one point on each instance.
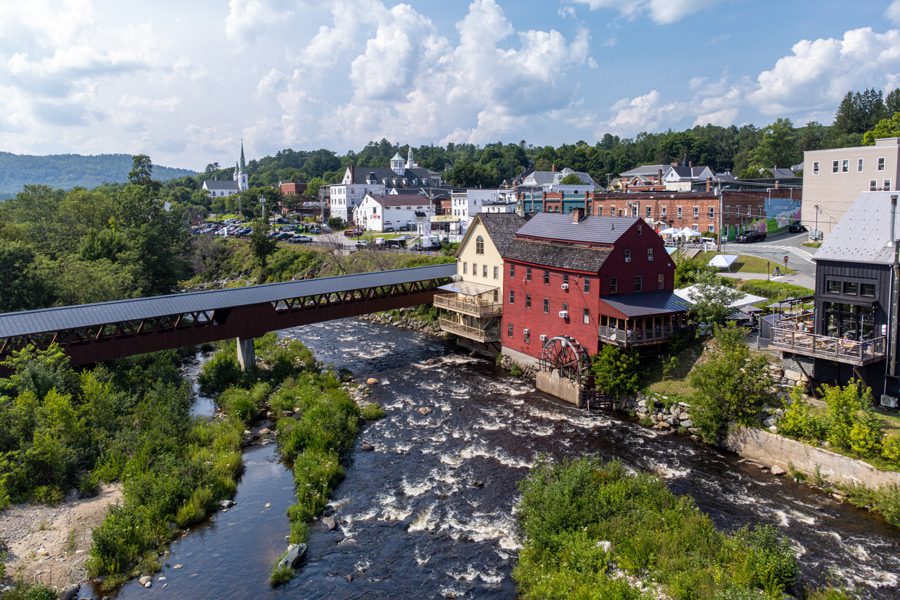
(568, 356)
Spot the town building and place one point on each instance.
(590, 280)
(391, 212)
(849, 332)
(534, 187)
(240, 181)
(471, 307)
(292, 188)
(358, 181)
(834, 178)
(685, 178)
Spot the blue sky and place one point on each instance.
(185, 81)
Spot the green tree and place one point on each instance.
(262, 246)
(858, 112)
(141, 170)
(570, 179)
(732, 384)
(313, 185)
(616, 372)
(711, 300)
(885, 128)
(24, 286)
(892, 101)
(777, 146)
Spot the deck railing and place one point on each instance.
(473, 308)
(484, 336)
(855, 352)
(636, 337)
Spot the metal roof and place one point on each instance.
(590, 230)
(646, 303)
(102, 313)
(864, 232)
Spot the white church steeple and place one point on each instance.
(240, 172)
(397, 164)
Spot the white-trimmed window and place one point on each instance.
(887, 185)
(638, 283)
(649, 254)
(662, 211)
(816, 168)
(465, 268)
(695, 227)
(835, 166)
(696, 212)
(678, 212)
(880, 163)
(873, 185)
(859, 165)
(711, 212)
(627, 254)
(845, 165)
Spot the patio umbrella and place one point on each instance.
(688, 232)
(669, 231)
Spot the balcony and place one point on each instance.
(477, 334)
(636, 337)
(474, 308)
(852, 352)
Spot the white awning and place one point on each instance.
(468, 288)
(723, 261)
(688, 294)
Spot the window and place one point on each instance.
(566, 278)
(880, 163)
(867, 290)
(851, 288)
(634, 210)
(710, 213)
(832, 286)
(649, 254)
(649, 211)
(695, 227)
(509, 330)
(546, 305)
(565, 306)
(465, 268)
(834, 166)
(527, 273)
(845, 166)
(587, 285)
(527, 336)
(696, 212)
(662, 211)
(512, 296)
(496, 295)
(660, 282)
(512, 270)
(484, 271)
(586, 316)
(711, 228)
(678, 211)
(613, 286)
(479, 245)
(816, 168)
(859, 165)
(887, 185)
(475, 269)
(640, 230)
(546, 277)
(637, 283)
(873, 185)
(600, 211)
(527, 300)
(627, 253)
(496, 272)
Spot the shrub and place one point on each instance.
(866, 434)
(775, 290)
(221, 371)
(843, 405)
(890, 451)
(195, 508)
(884, 500)
(798, 422)
(766, 561)
(372, 412)
(616, 372)
(280, 575)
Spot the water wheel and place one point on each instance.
(567, 356)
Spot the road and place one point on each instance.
(775, 248)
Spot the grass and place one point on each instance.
(775, 290)
(812, 244)
(371, 236)
(675, 380)
(221, 218)
(750, 264)
(372, 412)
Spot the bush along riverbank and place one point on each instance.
(595, 530)
(316, 415)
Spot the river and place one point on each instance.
(430, 512)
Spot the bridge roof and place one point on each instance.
(103, 313)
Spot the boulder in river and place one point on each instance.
(146, 581)
(329, 523)
(424, 410)
(366, 447)
(293, 557)
(70, 593)
(226, 504)
(776, 470)
(371, 381)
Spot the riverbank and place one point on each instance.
(49, 544)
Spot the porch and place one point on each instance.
(470, 310)
(641, 319)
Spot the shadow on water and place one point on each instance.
(429, 512)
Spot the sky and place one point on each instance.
(185, 81)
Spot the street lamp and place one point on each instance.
(816, 206)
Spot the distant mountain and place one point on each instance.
(66, 171)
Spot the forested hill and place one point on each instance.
(66, 171)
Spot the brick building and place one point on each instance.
(594, 279)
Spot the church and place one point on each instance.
(215, 188)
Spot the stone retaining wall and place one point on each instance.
(774, 450)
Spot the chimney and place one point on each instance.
(708, 183)
(576, 216)
(690, 164)
(553, 168)
(777, 184)
(659, 176)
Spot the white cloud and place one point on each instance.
(246, 19)
(663, 12)
(893, 12)
(818, 73)
(642, 113)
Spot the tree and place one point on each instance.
(313, 185)
(732, 384)
(261, 245)
(570, 179)
(24, 286)
(777, 146)
(616, 372)
(885, 128)
(141, 170)
(711, 300)
(858, 112)
(892, 102)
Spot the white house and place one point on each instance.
(390, 212)
(239, 183)
(359, 181)
(682, 179)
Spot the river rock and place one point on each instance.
(424, 410)
(687, 423)
(329, 523)
(70, 593)
(349, 578)
(294, 555)
(146, 581)
(776, 470)
(225, 504)
(178, 566)
(770, 421)
(265, 431)
(268, 505)
(371, 381)
(42, 552)
(366, 447)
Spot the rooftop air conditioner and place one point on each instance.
(888, 401)
(526, 331)
(563, 314)
(543, 337)
(565, 286)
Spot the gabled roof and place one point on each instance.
(546, 178)
(864, 232)
(689, 172)
(502, 228)
(215, 184)
(643, 304)
(590, 230)
(400, 199)
(588, 260)
(782, 173)
(646, 170)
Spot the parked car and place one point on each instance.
(395, 243)
(299, 239)
(362, 244)
(352, 233)
(751, 236)
(797, 227)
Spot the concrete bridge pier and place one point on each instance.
(246, 354)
